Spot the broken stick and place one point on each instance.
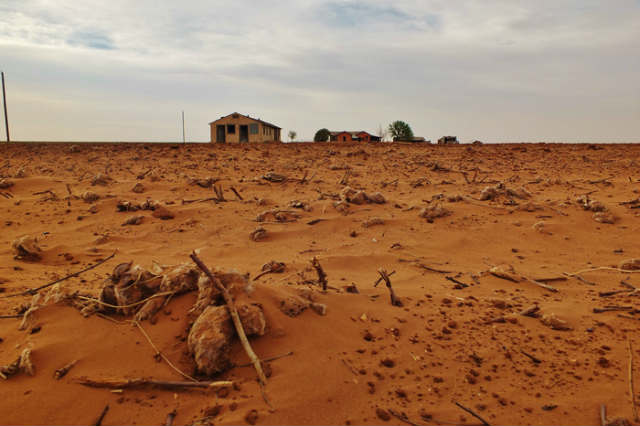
(392, 294)
(322, 276)
(136, 383)
(632, 395)
(170, 417)
(236, 193)
(379, 280)
(33, 291)
(98, 422)
(61, 372)
(468, 410)
(234, 316)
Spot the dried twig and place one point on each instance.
(33, 291)
(543, 285)
(98, 422)
(385, 277)
(135, 383)
(431, 269)
(531, 357)
(379, 280)
(612, 309)
(603, 415)
(170, 417)
(234, 316)
(61, 372)
(273, 358)
(474, 414)
(632, 394)
(158, 353)
(237, 194)
(322, 276)
(459, 284)
(219, 194)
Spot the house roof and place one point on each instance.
(352, 132)
(250, 118)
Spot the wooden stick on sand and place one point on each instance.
(234, 316)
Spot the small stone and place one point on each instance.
(319, 308)
(251, 417)
(258, 234)
(630, 264)
(372, 222)
(552, 321)
(383, 414)
(604, 217)
(377, 198)
(138, 188)
(163, 213)
(133, 220)
(89, 196)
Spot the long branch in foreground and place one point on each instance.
(140, 382)
(33, 291)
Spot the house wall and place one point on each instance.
(364, 137)
(265, 133)
(344, 137)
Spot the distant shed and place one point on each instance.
(239, 128)
(358, 135)
(448, 140)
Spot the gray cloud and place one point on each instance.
(91, 39)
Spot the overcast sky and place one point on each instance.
(494, 70)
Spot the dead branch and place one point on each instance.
(160, 354)
(234, 316)
(474, 414)
(273, 358)
(98, 422)
(136, 383)
(170, 417)
(236, 193)
(632, 394)
(458, 284)
(345, 178)
(431, 269)
(543, 285)
(61, 372)
(612, 309)
(219, 194)
(550, 279)
(531, 357)
(379, 280)
(385, 277)
(322, 276)
(33, 291)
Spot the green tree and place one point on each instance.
(322, 135)
(292, 135)
(401, 130)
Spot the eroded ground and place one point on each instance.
(459, 336)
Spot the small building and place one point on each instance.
(448, 140)
(347, 136)
(239, 128)
(412, 139)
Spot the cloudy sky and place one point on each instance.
(494, 70)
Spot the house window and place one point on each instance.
(253, 129)
(231, 129)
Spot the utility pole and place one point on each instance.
(183, 139)
(4, 102)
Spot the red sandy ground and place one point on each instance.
(335, 375)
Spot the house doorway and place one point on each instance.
(220, 133)
(244, 133)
